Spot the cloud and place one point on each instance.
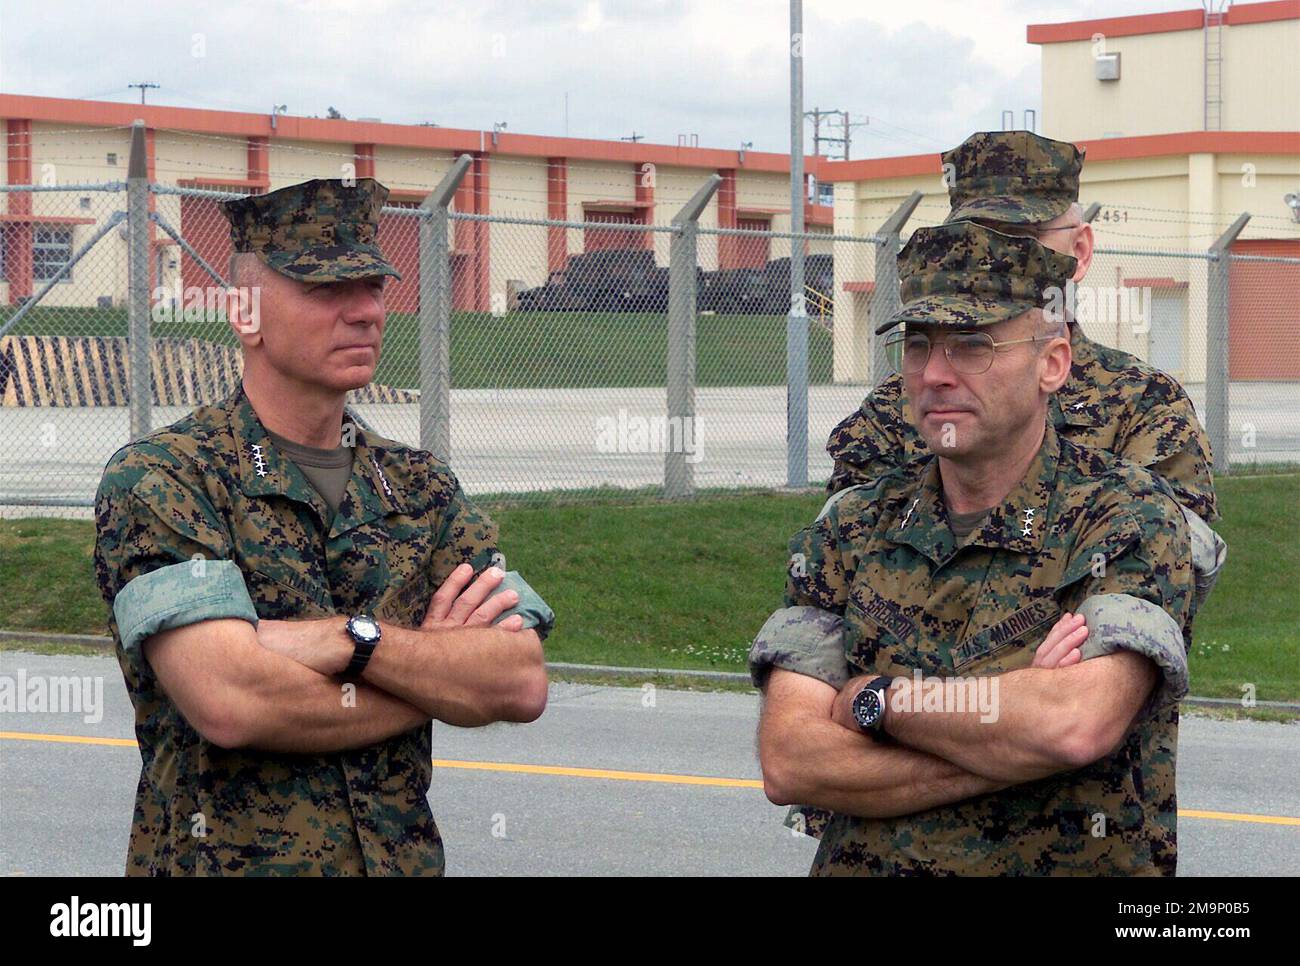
(927, 72)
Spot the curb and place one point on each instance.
(84, 640)
(605, 670)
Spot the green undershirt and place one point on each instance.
(327, 470)
(963, 524)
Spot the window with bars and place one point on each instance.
(51, 250)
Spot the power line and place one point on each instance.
(143, 85)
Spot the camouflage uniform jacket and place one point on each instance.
(212, 486)
(1112, 401)
(1080, 526)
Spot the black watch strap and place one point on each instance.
(360, 658)
(363, 646)
(880, 683)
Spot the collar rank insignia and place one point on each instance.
(382, 479)
(259, 460)
(1028, 528)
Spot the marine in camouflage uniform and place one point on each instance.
(882, 574)
(1112, 401)
(210, 514)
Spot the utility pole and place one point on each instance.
(843, 116)
(634, 137)
(143, 85)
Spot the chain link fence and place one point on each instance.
(1225, 325)
(543, 356)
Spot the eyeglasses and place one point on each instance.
(970, 353)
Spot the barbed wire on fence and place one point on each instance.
(564, 341)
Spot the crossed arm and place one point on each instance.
(274, 687)
(1046, 722)
(1057, 716)
(810, 759)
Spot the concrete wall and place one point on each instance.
(1261, 84)
(1162, 82)
(409, 169)
(1159, 90)
(517, 188)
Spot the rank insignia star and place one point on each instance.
(1027, 529)
(259, 460)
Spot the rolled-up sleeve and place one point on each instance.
(149, 520)
(806, 640)
(536, 613)
(179, 595)
(1122, 622)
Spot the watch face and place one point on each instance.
(866, 708)
(364, 627)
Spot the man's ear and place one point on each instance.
(244, 312)
(1082, 250)
(1055, 365)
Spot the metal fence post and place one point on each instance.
(434, 317)
(796, 383)
(1218, 271)
(885, 299)
(679, 475)
(796, 322)
(138, 344)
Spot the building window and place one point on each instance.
(51, 250)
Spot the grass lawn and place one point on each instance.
(686, 585)
(535, 350)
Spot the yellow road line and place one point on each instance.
(1238, 817)
(621, 776)
(67, 739)
(613, 775)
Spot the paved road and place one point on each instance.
(65, 807)
(545, 439)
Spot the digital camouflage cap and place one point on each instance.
(1012, 176)
(963, 274)
(317, 231)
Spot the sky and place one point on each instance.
(915, 76)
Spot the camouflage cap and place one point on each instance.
(963, 274)
(316, 231)
(1012, 176)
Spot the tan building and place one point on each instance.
(55, 141)
(1166, 184)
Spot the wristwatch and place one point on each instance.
(869, 705)
(364, 631)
